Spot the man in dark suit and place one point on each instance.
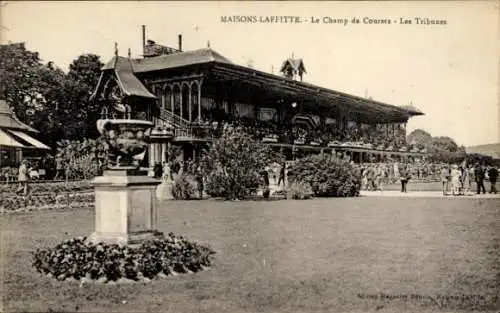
(404, 177)
(282, 174)
(265, 177)
(493, 175)
(479, 175)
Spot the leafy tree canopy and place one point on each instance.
(44, 97)
(419, 138)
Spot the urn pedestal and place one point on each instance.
(125, 208)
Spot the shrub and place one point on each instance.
(298, 191)
(233, 165)
(327, 175)
(235, 185)
(184, 187)
(83, 157)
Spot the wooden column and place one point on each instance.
(180, 97)
(199, 99)
(189, 101)
(163, 152)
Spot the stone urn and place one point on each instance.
(126, 138)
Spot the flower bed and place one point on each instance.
(48, 187)
(32, 202)
(84, 261)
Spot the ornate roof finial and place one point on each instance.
(116, 49)
(129, 53)
(208, 44)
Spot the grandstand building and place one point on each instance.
(192, 95)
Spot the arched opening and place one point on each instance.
(177, 99)
(159, 97)
(167, 98)
(185, 101)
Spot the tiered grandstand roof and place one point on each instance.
(320, 99)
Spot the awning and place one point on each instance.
(32, 141)
(305, 118)
(8, 141)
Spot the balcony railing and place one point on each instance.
(195, 132)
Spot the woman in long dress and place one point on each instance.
(23, 177)
(466, 181)
(396, 171)
(455, 180)
(380, 177)
(364, 179)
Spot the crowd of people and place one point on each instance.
(377, 137)
(375, 175)
(457, 179)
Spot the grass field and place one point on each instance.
(322, 255)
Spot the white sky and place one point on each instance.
(450, 72)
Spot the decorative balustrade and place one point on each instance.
(194, 132)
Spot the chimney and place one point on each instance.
(180, 42)
(143, 39)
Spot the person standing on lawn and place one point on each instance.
(455, 180)
(379, 178)
(466, 180)
(479, 176)
(493, 174)
(59, 167)
(23, 177)
(282, 174)
(265, 178)
(445, 175)
(199, 181)
(404, 176)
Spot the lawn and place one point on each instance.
(322, 255)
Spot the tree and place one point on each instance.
(20, 78)
(84, 72)
(86, 69)
(444, 143)
(44, 97)
(445, 149)
(234, 164)
(419, 138)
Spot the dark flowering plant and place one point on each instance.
(78, 259)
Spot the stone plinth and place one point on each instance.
(125, 207)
